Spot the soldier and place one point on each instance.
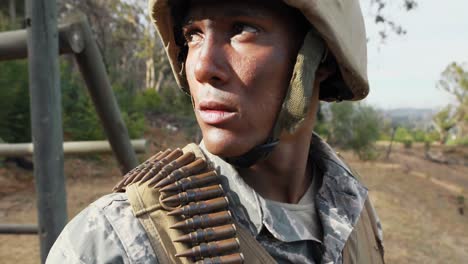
(261, 187)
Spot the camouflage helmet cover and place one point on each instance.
(339, 23)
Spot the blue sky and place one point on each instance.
(404, 71)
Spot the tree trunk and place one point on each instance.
(161, 78)
(150, 78)
(389, 150)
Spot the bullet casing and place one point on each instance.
(187, 170)
(204, 221)
(202, 207)
(194, 195)
(176, 164)
(168, 160)
(152, 162)
(211, 249)
(161, 163)
(208, 234)
(192, 182)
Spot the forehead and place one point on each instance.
(202, 9)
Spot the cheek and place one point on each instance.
(189, 72)
(265, 75)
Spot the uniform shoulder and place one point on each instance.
(104, 232)
(110, 201)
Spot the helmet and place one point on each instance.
(339, 23)
(337, 29)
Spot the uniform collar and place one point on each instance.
(339, 201)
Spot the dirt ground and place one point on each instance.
(419, 202)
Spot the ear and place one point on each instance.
(327, 67)
(324, 71)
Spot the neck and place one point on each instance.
(285, 176)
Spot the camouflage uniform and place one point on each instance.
(313, 231)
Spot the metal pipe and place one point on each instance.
(94, 72)
(46, 120)
(69, 148)
(15, 229)
(13, 44)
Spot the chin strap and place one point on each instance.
(259, 152)
(296, 103)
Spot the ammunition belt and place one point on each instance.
(190, 191)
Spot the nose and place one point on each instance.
(212, 62)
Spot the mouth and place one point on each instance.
(216, 113)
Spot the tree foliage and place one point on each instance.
(443, 122)
(454, 80)
(387, 24)
(14, 107)
(126, 39)
(354, 126)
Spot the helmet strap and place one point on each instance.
(259, 152)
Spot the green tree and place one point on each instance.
(81, 121)
(444, 121)
(419, 135)
(354, 126)
(15, 119)
(404, 136)
(454, 80)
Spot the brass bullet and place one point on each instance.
(136, 177)
(204, 221)
(174, 165)
(185, 171)
(156, 166)
(131, 174)
(161, 163)
(138, 172)
(210, 249)
(155, 157)
(194, 195)
(237, 258)
(208, 234)
(146, 168)
(141, 170)
(192, 182)
(202, 207)
(119, 185)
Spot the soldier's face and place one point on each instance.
(239, 64)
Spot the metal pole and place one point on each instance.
(69, 148)
(15, 229)
(94, 72)
(46, 120)
(13, 44)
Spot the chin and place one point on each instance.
(225, 144)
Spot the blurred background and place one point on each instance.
(408, 140)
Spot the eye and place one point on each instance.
(192, 36)
(243, 31)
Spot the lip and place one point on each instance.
(215, 113)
